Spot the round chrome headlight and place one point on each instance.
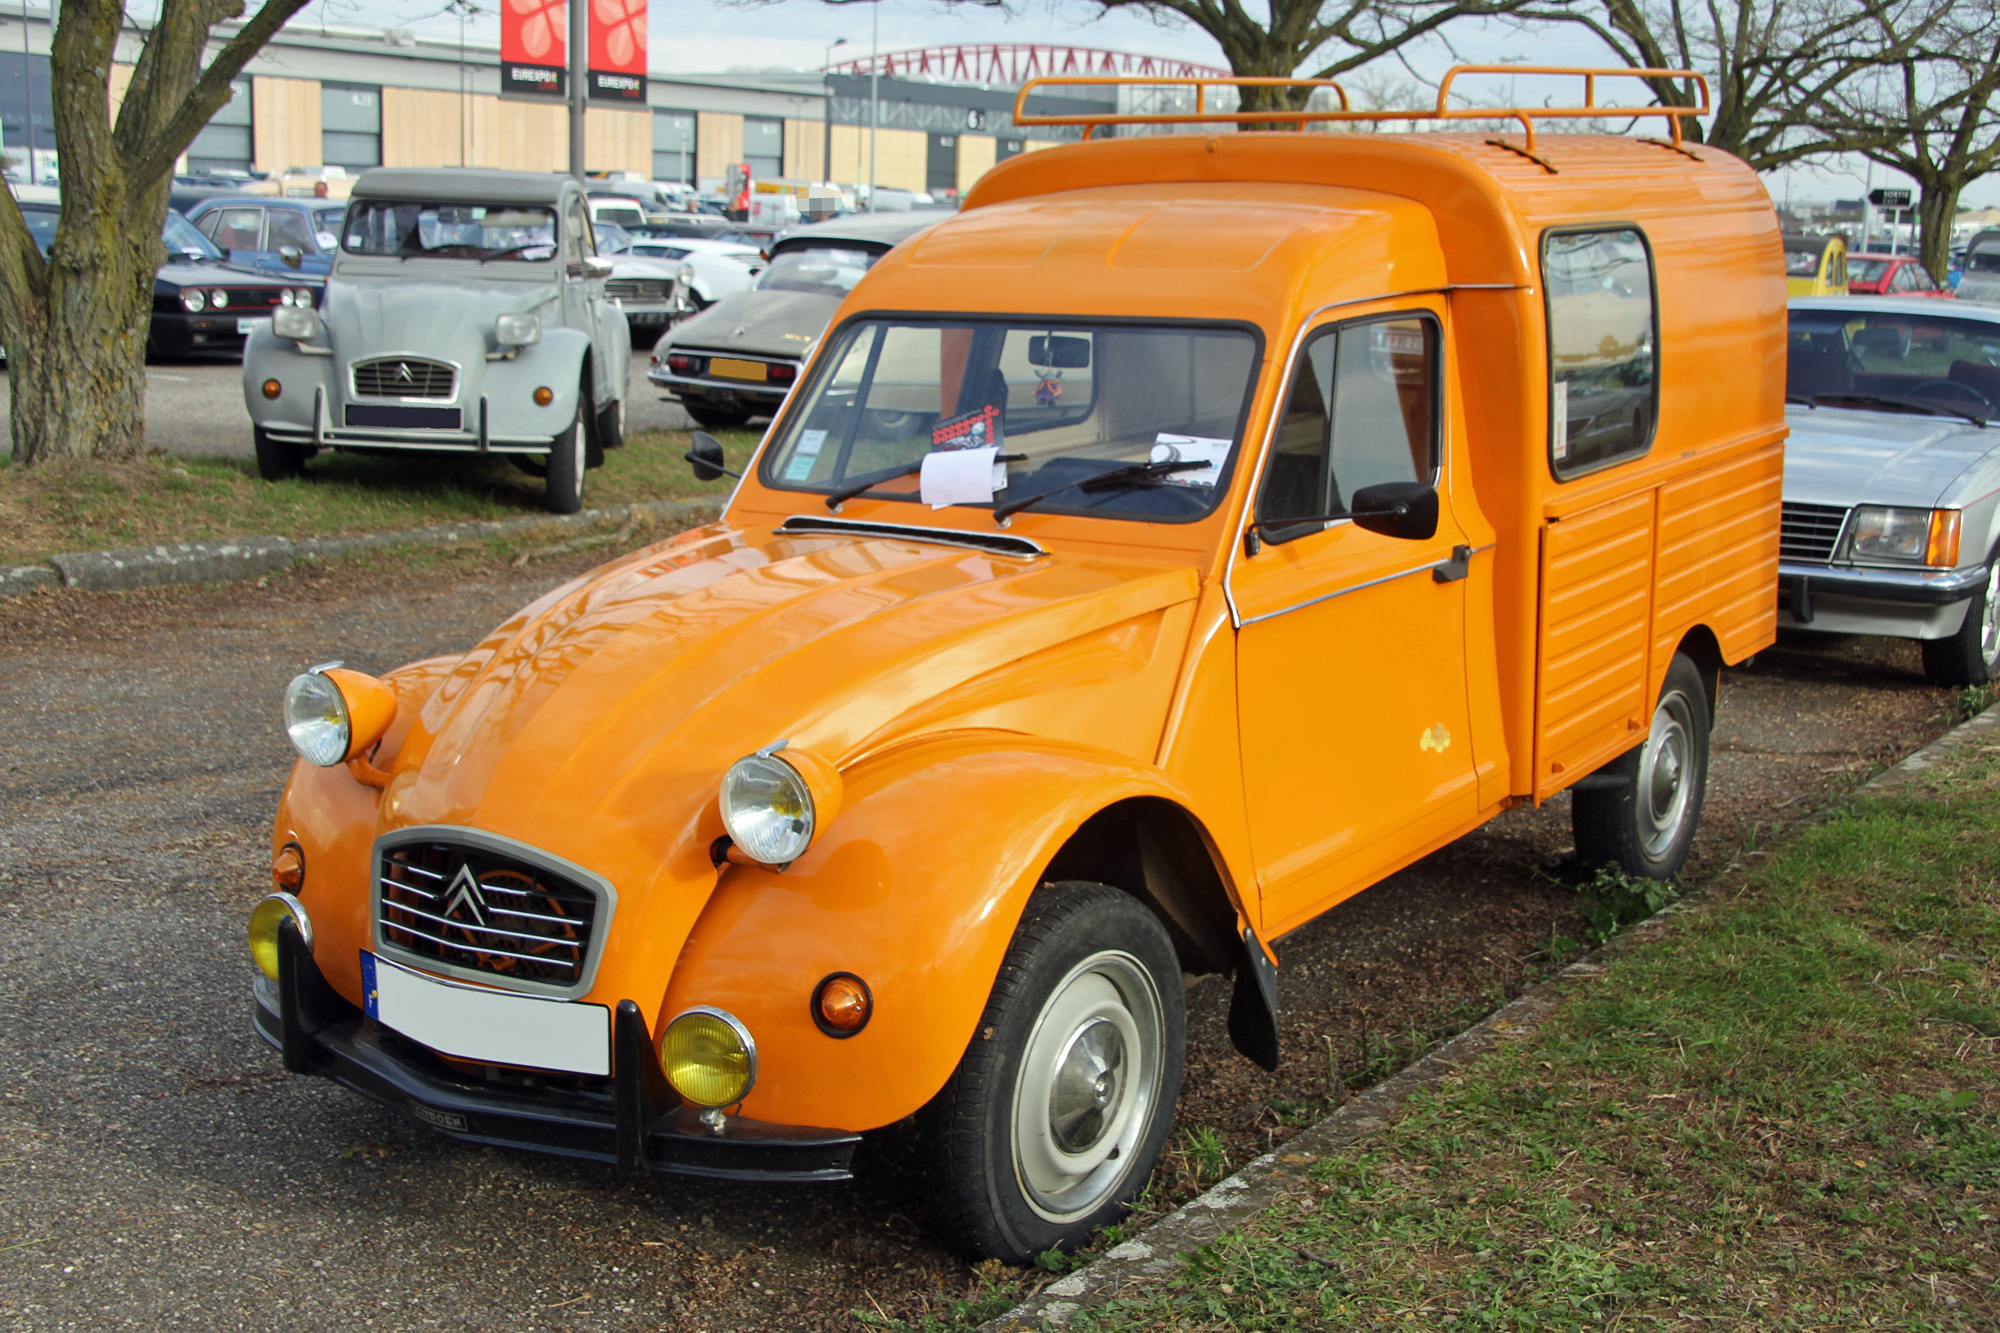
(265, 921)
(767, 809)
(316, 719)
(709, 1057)
(285, 296)
(196, 301)
(218, 298)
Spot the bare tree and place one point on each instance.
(1775, 67)
(1337, 36)
(1937, 116)
(74, 324)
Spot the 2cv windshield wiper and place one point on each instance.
(870, 480)
(1118, 478)
(1898, 403)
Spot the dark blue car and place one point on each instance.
(277, 236)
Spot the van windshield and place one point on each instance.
(1072, 401)
(514, 232)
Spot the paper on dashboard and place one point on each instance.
(961, 477)
(1191, 449)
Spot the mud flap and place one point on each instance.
(1253, 1009)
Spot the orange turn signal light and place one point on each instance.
(272, 388)
(544, 396)
(288, 867)
(842, 1005)
(1941, 550)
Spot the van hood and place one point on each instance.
(770, 323)
(1837, 456)
(598, 723)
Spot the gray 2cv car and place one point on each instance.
(466, 313)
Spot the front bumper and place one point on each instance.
(633, 1119)
(1902, 603)
(180, 331)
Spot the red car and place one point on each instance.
(1891, 275)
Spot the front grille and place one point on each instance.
(640, 289)
(447, 903)
(404, 377)
(1809, 532)
(251, 298)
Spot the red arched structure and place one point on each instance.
(1011, 64)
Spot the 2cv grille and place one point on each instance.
(404, 377)
(485, 911)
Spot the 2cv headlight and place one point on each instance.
(709, 1057)
(332, 715)
(767, 809)
(517, 330)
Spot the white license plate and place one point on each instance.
(492, 1026)
(245, 325)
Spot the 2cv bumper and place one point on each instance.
(634, 1120)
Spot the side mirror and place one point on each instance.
(596, 266)
(706, 458)
(1405, 509)
(291, 256)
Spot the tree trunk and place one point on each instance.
(76, 361)
(1936, 207)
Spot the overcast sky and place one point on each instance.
(704, 36)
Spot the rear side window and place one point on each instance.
(1603, 340)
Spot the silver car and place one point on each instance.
(466, 313)
(1892, 474)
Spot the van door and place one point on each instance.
(1351, 684)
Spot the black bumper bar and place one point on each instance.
(636, 1121)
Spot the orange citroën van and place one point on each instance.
(1191, 532)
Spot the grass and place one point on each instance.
(1781, 1113)
(83, 506)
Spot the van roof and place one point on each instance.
(461, 185)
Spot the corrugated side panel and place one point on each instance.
(1590, 676)
(1718, 556)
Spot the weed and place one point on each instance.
(1613, 900)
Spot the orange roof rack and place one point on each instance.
(1526, 115)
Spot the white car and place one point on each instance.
(715, 269)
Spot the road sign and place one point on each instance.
(1889, 198)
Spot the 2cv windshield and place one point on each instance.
(1065, 403)
(407, 230)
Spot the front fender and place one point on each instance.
(916, 888)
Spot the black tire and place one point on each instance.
(1972, 655)
(563, 493)
(611, 425)
(1058, 1111)
(277, 460)
(710, 417)
(1646, 822)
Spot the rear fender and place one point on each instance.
(916, 888)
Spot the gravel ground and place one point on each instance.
(194, 406)
(157, 1169)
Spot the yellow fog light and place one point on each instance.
(544, 396)
(272, 388)
(265, 919)
(709, 1057)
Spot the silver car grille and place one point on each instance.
(1809, 532)
(448, 905)
(640, 289)
(404, 377)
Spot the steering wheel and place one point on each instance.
(1950, 389)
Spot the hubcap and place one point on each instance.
(1665, 782)
(1989, 617)
(1087, 1085)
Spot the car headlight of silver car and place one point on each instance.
(300, 323)
(1907, 536)
(195, 300)
(517, 330)
(773, 804)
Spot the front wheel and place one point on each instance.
(611, 425)
(1059, 1109)
(1972, 655)
(277, 460)
(1644, 820)
(563, 492)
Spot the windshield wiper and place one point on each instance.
(1896, 403)
(1118, 478)
(870, 480)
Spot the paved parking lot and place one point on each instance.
(159, 1170)
(196, 406)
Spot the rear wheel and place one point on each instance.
(564, 488)
(1644, 822)
(276, 459)
(1972, 655)
(1058, 1111)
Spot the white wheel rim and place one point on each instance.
(1088, 1081)
(1989, 616)
(1666, 775)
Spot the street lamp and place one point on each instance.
(826, 81)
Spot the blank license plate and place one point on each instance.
(492, 1026)
(245, 325)
(727, 368)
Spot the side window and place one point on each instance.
(1362, 411)
(1603, 335)
(574, 229)
(208, 222)
(288, 227)
(238, 228)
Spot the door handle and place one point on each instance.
(1454, 569)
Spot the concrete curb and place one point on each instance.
(1148, 1258)
(248, 557)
